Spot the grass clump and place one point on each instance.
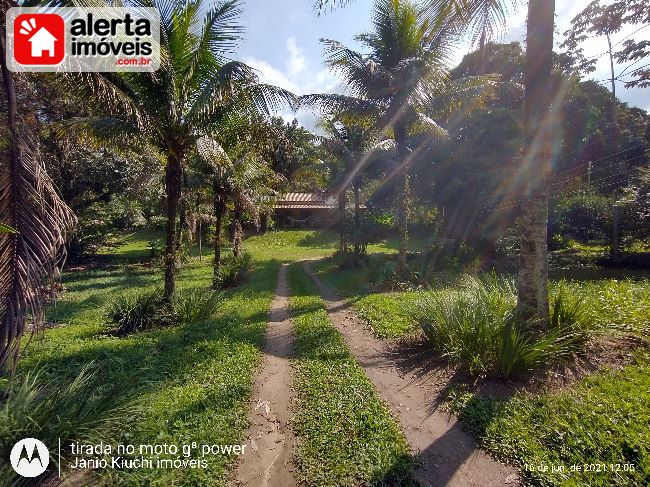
(476, 326)
(234, 270)
(196, 305)
(139, 311)
(53, 410)
(602, 421)
(347, 435)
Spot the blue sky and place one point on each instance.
(282, 42)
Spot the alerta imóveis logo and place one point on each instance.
(39, 39)
(79, 39)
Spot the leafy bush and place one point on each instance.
(133, 312)
(476, 326)
(585, 216)
(157, 249)
(233, 271)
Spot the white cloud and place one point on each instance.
(296, 63)
(320, 82)
(270, 75)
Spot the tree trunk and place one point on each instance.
(532, 285)
(403, 203)
(173, 180)
(236, 232)
(182, 212)
(219, 213)
(357, 220)
(10, 330)
(264, 227)
(343, 244)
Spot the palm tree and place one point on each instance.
(480, 16)
(532, 286)
(354, 143)
(177, 108)
(239, 178)
(407, 59)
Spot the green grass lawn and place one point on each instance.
(174, 385)
(347, 436)
(193, 382)
(186, 384)
(181, 384)
(601, 425)
(603, 419)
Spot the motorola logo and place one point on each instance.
(30, 457)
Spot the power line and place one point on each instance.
(596, 160)
(514, 203)
(602, 168)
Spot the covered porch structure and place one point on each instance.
(316, 209)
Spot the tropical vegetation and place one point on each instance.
(486, 223)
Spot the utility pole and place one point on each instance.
(589, 174)
(615, 250)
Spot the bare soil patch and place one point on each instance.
(414, 357)
(267, 458)
(447, 455)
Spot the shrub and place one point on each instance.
(585, 216)
(138, 311)
(133, 312)
(233, 271)
(476, 327)
(156, 249)
(195, 305)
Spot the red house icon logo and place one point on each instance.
(39, 39)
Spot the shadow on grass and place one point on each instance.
(139, 367)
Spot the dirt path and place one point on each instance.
(448, 455)
(267, 458)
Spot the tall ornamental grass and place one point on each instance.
(476, 326)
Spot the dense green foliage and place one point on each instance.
(336, 400)
(58, 410)
(233, 271)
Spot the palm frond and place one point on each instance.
(335, 103)
(30, 204)
(467, 93)
(479, 18)
(211, 153)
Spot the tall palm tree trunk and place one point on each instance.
(236, 232)
(181, 231)
(219, 213)
(343, 244)
(173, 180)
(532, 286)
(403, 204)
(9, 332)
(357, 220)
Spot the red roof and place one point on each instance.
(306, 200)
